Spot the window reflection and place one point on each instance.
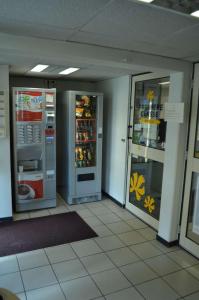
(193, 217)
(149, 127)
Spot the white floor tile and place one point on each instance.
(109, 218)
(69, 270)
(194, 270)
(102, 230)
(60, 253)
(162, 265)
(109, 242)
(163, 248)
(111, 281)
(183, 283)
(77, 207)
(119, 227)
(136, 223)
(112, 206)
(145, 250)
(183, 258)
(52, 292)
(12, 282)
(122, 256)
(86, 247)
(58, 210)
(95, 204)
(32, 259)
(21, 216)
(138, 272)
(39, 213)
(127, 294)
(97, 263)
(98, 211)
(85, 213)
(8, 264)
(157, 289)
(148, 233)
(80, 289)
(125, 215)
(131, 238)
(92, 221)
(38, 277)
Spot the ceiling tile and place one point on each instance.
(141, 22)
(89, 72)
(124, 42)
(193, 58)
(35, 30)
(61, 13)
(183, 43)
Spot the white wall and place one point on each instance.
(116, 102)
(5, 171)
(60, 84)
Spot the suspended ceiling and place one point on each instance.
(123, 24)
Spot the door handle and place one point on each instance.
(123, 140)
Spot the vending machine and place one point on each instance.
(34, 148)
(79, 146)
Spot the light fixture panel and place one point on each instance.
(68, 71)
(39, 68)
(164, 82)
(146, 1)
(195, 13)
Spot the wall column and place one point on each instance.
(5, 163)
(174, 162)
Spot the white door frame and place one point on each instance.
(143, 151)
(192, 166)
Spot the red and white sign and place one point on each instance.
(30, 186)
(29, 106)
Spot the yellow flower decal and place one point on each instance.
(150, 95)
(136, 185)
(149, 203)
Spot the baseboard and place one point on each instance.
(166, 243)
(113, 199)
(6, 219)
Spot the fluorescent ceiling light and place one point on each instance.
(39, 68)
(195, 13)
(69, 71)
(147, 1)
(164, 83)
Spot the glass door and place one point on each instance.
(146, 147)
(189, 235)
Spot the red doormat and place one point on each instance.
(37, 233)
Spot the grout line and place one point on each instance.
(21, 277)
(54, 274)
(128, 247)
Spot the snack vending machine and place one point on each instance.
(34, 147)
(79, 152)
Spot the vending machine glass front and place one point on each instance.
(85, 135)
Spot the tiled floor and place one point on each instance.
(124, 263)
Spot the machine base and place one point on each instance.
(36, 205)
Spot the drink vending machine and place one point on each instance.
(34, 147)
(79, 146)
